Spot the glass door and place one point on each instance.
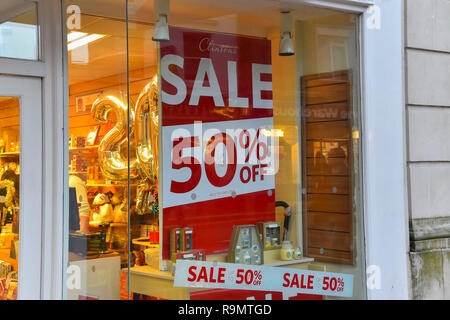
(20, 187)
(185, 142)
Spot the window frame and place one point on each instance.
(383, 145)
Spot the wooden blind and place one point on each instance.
(327, 167)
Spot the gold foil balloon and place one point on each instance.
(146, 117)
(112, 150)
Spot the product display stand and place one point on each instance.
(153, 282)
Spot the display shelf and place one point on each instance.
(144, 243)
(152, 272)
(86, 148)
(271, 258)
(77, 257)
(281, 263)
(9, 154)
(153, 282)
(77, 172)
(110, 185)
(4, 256)
(118, 224)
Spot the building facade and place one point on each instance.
(426, 55)
(142, 138)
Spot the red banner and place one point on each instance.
(216, 91)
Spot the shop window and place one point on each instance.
(173, 143)
(19, 36)
(9, 195)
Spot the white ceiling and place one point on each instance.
(11, 9)
(108, 56)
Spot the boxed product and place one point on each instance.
(152, 257)
(5, 269)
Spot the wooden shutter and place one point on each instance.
(327, 167)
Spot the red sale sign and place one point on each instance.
(290, 282)
(217, 148)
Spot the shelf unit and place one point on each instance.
(9, 154)
(86, 148)
(110, 185)
(144, 243)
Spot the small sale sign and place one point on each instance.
(218, 146)
(206, 274)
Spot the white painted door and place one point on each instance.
(21, 161)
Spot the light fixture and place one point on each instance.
(81, 40)
(286, 46)
(161, 32)
(272, 132)
(74, 35)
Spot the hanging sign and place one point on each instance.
(217, 148)
(206, 274)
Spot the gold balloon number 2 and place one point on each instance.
(113, 148)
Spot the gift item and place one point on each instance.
(175, 240)
(287, 251)
(92, 136)
(77, 142)
(12, 147)
(5, 268)
(187, 234)
(152, 257)
(245, 245)
(78, 164)
(270, 234)
(12, 290)
(11, 276)
(120, 208)
(121, 212)
(297, 253)
(104, 211)
(5, 240)
(86, 244)
(3, 290)
(197, 254)
(140, 258)
(150, 232)
(146, 200)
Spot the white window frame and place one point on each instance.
(29, 92)
(383, 144)
(49, 69)
(382, 135)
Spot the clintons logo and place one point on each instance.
(208, 45)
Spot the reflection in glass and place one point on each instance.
(9, 196)
(98, 154)
(18, 30)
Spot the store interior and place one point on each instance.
(119, 216)
(9, 195)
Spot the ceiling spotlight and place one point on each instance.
(161, 32)
(286, 45)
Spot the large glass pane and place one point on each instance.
(330, 138)
(98, 150)
(144, 220)
(227, 68)
(19, 34)
(9, 195)
(197, 134)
